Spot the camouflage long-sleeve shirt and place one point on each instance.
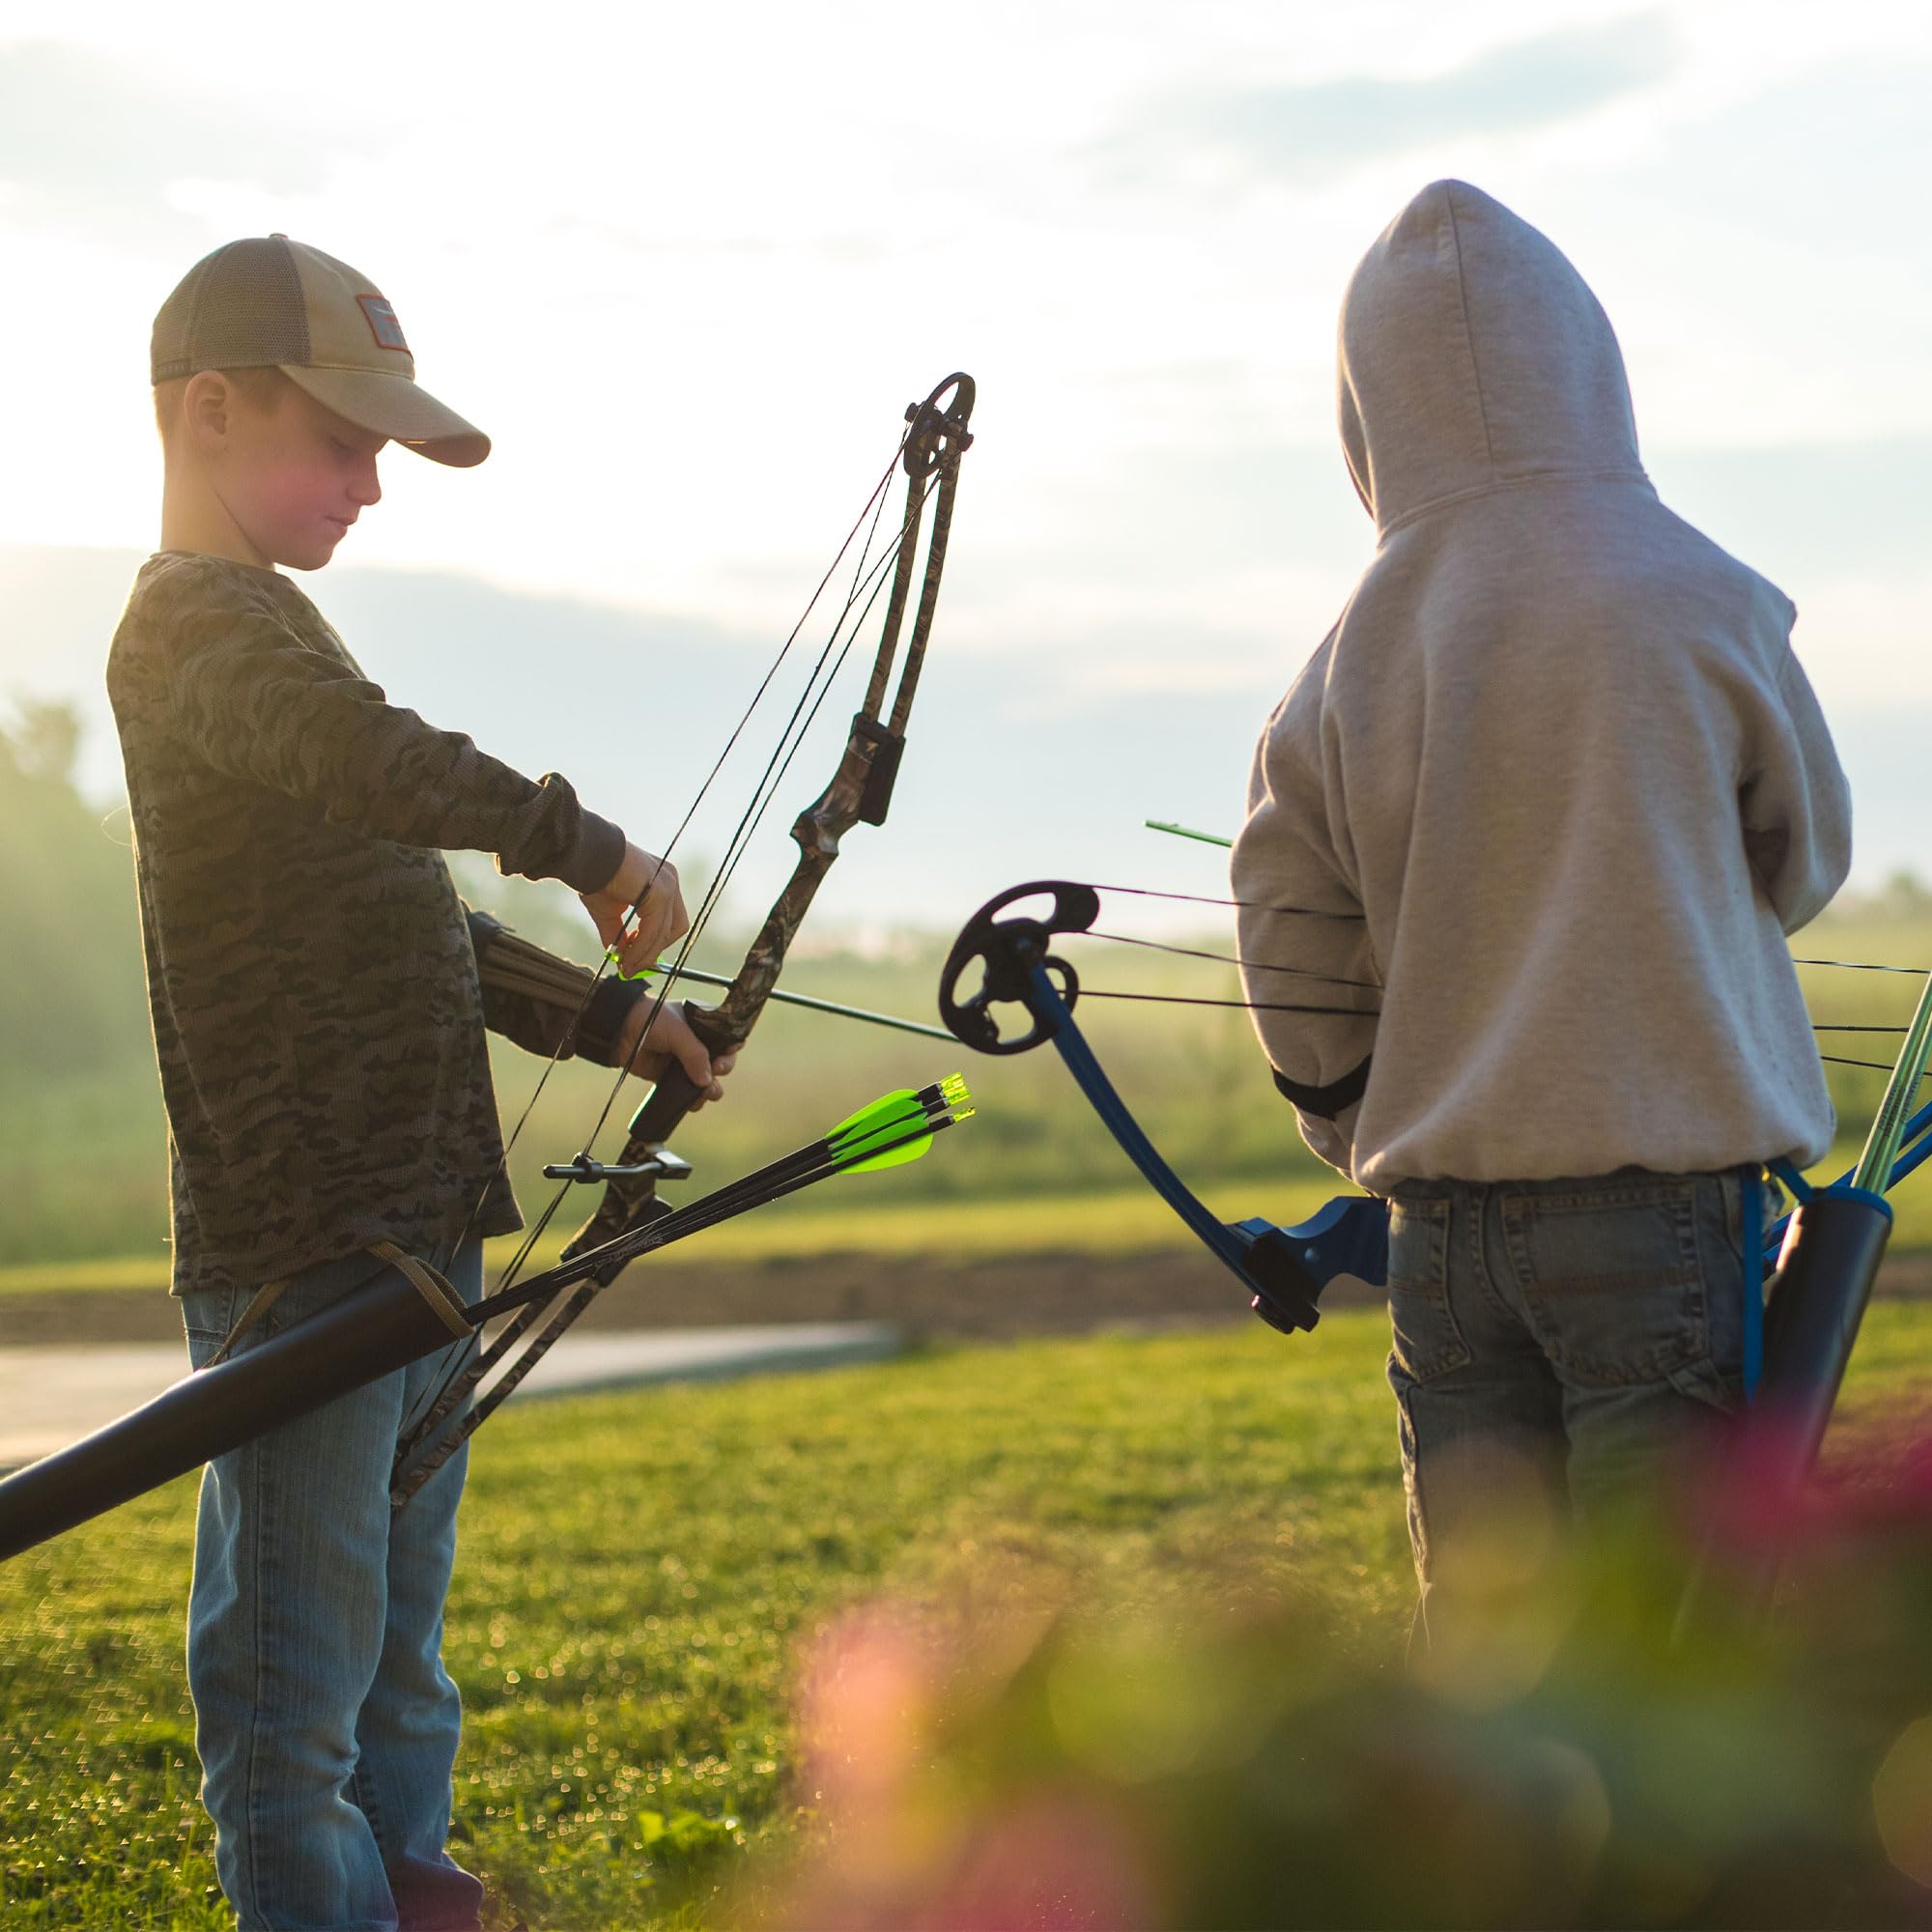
(318, 1013)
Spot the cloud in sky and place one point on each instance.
(689, 285)
(89, 143)
(1758, 159)
(1309, 133)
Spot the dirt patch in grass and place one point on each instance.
(1020, 1294)
(928, 1296)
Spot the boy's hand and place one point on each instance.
(650, 884)
(670, 1042)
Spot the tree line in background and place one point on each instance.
(71, 1001)
(82, 1137)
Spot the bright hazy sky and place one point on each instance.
(686, 264)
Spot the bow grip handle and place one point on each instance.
(675, 1092)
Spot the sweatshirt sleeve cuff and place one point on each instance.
(597, 854)
(1325, 1102)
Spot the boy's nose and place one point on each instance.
(366, 487)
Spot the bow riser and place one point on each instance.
(727, 1026)
(860, 791)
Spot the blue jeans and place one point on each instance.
(324, 1720)
(1559, 1347)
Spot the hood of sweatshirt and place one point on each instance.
(1472, 356)
(1555, 752)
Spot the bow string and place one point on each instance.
(860, 792)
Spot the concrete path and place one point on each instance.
(53, 1396)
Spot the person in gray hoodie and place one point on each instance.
(1558, 787)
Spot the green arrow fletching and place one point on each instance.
(886, 1108)
(887, 1133)
(897, 1152)
(895, 1156)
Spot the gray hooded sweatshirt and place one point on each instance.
(1552, 792)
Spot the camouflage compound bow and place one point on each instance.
(407, 1311)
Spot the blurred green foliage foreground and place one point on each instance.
(1100, 1633)
(1569, 1753)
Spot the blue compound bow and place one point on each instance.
(1283, 1270)
(1826, 1252)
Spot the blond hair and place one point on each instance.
(260, 388)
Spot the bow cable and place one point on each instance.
(811, 699)
(1368, 985)
(862, 572)
(930, 452)
(1230, 959)
(875, 507)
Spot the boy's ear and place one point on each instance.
(208, 409)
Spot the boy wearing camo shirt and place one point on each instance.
(320, 997)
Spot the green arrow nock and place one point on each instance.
(887, 1133)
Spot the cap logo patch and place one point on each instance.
(383, 323)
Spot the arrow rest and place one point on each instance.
(664, 1165)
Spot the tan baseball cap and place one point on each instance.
(267, 301)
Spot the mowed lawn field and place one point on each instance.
(641, 1574)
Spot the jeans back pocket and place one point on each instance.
(1427, 1339)
(1613, 1278)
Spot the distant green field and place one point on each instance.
(84, 1154)
(1133, 1221)
(641, 1573)
(860, 1218)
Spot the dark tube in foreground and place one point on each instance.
(383, 1325)
(1830, 1257)
(1825, 1275)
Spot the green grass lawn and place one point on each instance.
(843, 1220)
(640, 1572)
(861, 1217)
